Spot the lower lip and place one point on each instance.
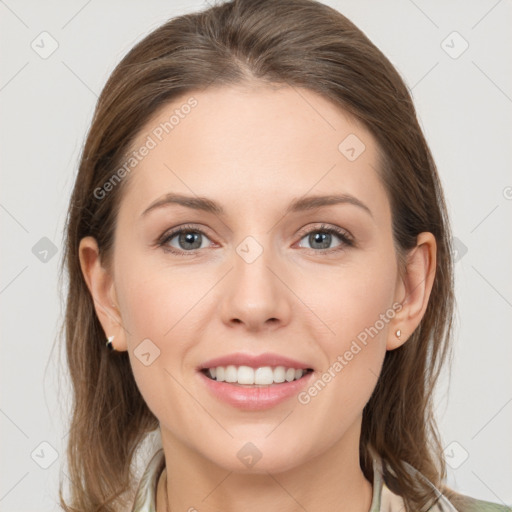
(255, 398)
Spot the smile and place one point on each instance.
(248, 376)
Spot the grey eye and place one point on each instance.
(188, 240)
(320, 239)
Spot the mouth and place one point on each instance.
(254, 382)
(263, 376)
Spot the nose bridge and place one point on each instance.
(253, 295)
(254, 283)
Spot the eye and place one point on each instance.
(188, 239)
(184, 239)
(322, 238)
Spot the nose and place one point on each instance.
(254, 296)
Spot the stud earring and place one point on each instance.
(398, 333)
(109, 345)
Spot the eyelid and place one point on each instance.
(325, 227)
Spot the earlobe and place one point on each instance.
(101, 288)
(413, 289)
(396, 339)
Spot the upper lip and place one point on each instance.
(254, 361)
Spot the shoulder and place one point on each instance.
(463, 503)
(453, 502)
(449, 500)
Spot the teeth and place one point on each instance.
(230, 375)
(263, 376)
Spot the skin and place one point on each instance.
(253, 149)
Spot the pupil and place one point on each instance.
(324, 239)
(190, 238)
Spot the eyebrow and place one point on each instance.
(297, 205)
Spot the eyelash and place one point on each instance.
(345, 238)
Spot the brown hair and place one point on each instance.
(304, 44)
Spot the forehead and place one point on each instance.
(251, 146)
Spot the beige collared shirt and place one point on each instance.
(383, 499)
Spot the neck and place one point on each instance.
(330, 481)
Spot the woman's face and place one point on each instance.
(287, 262)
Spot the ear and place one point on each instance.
(413, 289)
(101, 287)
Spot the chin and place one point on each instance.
(258, 456)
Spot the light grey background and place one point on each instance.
(464, 103)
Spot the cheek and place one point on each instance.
(351, 302)
(354, 305)
(157, 299)
(354, 347)
(160, 307)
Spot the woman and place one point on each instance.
(258, 233)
